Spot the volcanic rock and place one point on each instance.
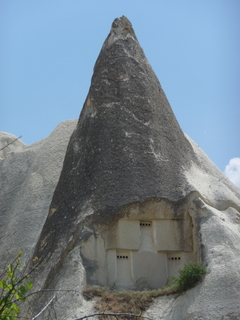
(127, 146)
(28, 177)
(133, 188)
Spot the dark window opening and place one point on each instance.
(122, 257)
(145, 223)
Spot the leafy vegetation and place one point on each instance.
(190, 275)
(13, 289)
(136, 302)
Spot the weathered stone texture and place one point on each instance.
(28, 176)
(127, 160)
(128, 145)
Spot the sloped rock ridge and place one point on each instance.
(28, 177)
(127, 146)
(135, 200)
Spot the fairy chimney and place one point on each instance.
(126, 197)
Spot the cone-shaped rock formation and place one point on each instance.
(128, 190)
(127, 146)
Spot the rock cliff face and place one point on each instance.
(28, 176)
(127, 147)
(134, 194)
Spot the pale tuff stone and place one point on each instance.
(9, 143)
(135, 200)
(28, 176)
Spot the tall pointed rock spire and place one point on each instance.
(135, 201)
(128, 145)
(128, 161)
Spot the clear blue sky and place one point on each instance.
(48, 49)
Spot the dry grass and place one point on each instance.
(134, 302)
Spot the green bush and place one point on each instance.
(135, 302)
(190, 275)
(13, 289)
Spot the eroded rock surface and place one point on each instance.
(28, 176)
(128, 166)
(9, 143)
(127, 146)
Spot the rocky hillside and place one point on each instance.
(62, 198)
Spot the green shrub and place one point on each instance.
(190, 275)
(13, 289)
(135, 302)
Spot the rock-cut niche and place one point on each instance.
(143, 249)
